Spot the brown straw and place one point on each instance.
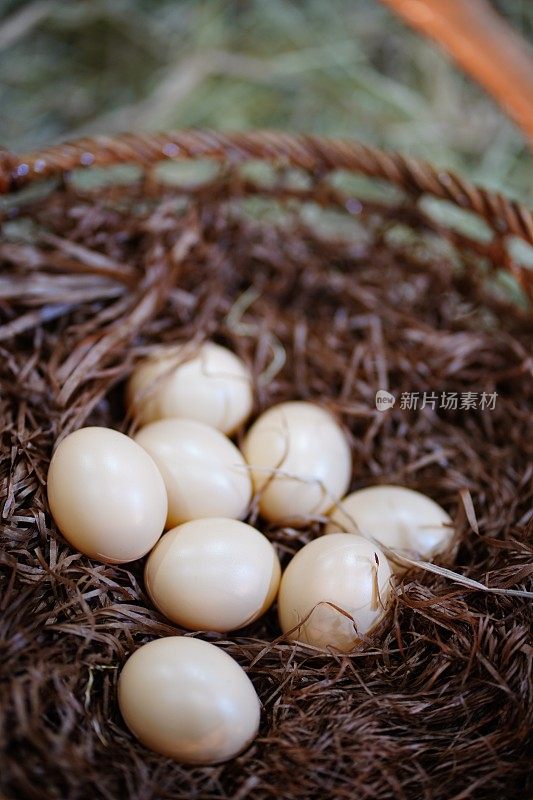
(328, 296)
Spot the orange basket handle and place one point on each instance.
(484, 45)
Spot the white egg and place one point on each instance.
(106, 495)
(208, 383)
(396, 517)
(334, 591)
(213, 574)
(300, 460)
(188, 700)
(204, 473)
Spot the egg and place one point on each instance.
(188, 700)
(208, 383)
(300, 460)
(331, 575)
(396, 517)
(205, 474)
(106, 495)
(213, 574)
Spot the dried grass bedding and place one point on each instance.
(438, 704)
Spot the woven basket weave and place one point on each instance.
(440, 705)
(313, 153)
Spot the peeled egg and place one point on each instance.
(210, 384)
(213, 574)
(188, 700)
(331, 575)
(396, 517)
(205, 474)
(106, 495)
(300, 459)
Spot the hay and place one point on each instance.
(439, 704)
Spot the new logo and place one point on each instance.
(384, 400)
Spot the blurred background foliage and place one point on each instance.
(338, 67)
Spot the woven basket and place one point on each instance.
(438, 704)
(317, 155)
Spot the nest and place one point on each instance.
(328, 297)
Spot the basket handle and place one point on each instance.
(312, 153)
(484, 45)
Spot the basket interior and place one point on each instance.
(328, 296)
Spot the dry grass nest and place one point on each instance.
(438, 704)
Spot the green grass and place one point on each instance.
(341, 67)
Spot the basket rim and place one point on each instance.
(317, 154)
